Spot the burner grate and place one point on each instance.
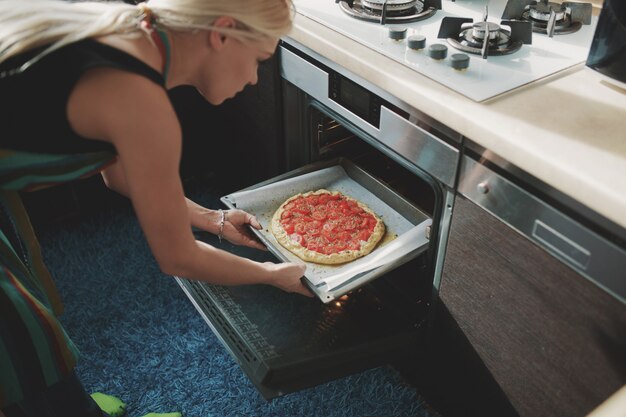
(548, 17)
(389, 11)
(485, 38)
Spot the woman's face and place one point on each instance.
(233, 67)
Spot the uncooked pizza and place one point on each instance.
(327, 227)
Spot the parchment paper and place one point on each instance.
(264, 201)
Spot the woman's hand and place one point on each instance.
(286, 276)
(236, 230)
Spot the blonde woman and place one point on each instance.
(83, 90)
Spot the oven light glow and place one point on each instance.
(341, 300)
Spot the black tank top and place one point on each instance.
(33, 104)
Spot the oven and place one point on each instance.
(330, 117)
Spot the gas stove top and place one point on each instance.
(478, 48)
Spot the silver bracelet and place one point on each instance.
(220, 234)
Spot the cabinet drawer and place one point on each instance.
(589, 254)
(552, 340)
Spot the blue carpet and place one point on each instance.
(143, 341)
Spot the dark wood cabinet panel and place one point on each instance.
(553, 341)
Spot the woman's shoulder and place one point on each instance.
(110, 102)
(138, 53)
(106, 52)
(127, 86)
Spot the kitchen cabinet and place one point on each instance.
(547, 339)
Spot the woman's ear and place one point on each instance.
(216, 38)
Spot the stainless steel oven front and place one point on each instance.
(285, 342)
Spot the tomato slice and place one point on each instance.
(297, 238)
(327, 250)
(315, 247)
(338, 247)
(354, 245)
(350, 223)
(313, 228)
(363, 235)
(300, 228)
(329, 226)
(313, 200)
(333, 204)
(317, 243)
(318, 215)
(344, 237)
(289, 228)
(316, 224)
(336, 244)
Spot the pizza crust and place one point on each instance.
(335, 258)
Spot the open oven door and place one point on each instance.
(286, 342)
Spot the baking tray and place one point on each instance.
(407, 227)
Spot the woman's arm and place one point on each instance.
(236, 222)
(200, 217)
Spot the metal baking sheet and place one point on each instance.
(331, 281)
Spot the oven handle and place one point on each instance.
(418, 146)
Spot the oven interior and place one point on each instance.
(286, 342)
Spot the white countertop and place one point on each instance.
(568, 130)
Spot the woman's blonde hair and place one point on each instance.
(27, 24)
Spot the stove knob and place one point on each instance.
(397, 34)
(483, 187)
(416, 42)
(438, 51)
(459, 61)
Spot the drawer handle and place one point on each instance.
(561, 245)
(483, 187)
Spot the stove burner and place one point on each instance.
(552, 26)
(542, 11)
(484, 38)
(473, 40)
(549, 18)
(481, 29)
(388, 11)
(392, 5)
